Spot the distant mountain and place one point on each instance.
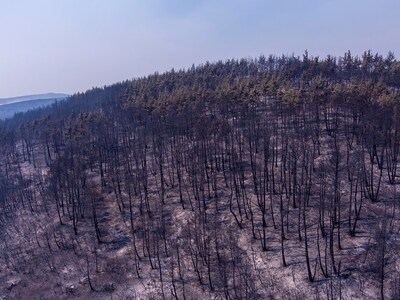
(32, 97)
(10, 106)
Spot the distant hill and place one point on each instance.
(10, 106)
(32, 97)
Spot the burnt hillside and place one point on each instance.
(246, 179)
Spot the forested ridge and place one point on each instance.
(274, 177)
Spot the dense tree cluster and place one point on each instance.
(207, 166)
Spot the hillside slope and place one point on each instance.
(272, 178)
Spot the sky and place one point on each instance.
(69, 46)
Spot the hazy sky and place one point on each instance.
(73, 45)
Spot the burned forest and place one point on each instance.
(268, 178)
